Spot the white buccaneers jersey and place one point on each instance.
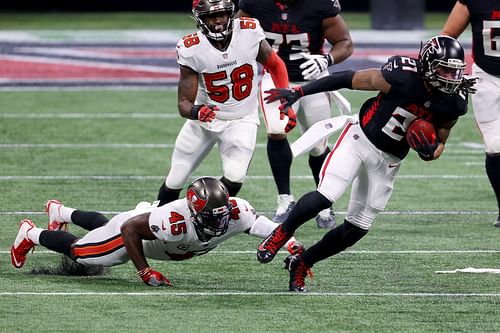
(229, 78)
(173, 226)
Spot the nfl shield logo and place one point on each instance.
(224, 55)
(284, 16)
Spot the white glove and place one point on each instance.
(315, 64)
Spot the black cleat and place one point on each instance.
(272, 244)
(298, 272)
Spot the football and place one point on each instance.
(416, 128)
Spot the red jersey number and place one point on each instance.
(241, 80)
(235, 211)
(177, 224)
(247, 23)
(190, 40)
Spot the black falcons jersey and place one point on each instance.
(292, 30)
(386, 117)
(485, 22)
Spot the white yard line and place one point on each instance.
(168, 293)
(257, 177)
(223, 252)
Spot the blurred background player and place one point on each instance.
(217, 93)
(297, 29)
(484, 17)
(368, 153)
(180, 230)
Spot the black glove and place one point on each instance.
(422, 146)
(467, 85)
(286, 96)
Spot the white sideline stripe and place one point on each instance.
(342, 253)
(238, 293)
(102, 177)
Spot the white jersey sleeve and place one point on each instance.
(227, 78)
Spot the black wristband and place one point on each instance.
(194, 112)
(334, 81)
(329, 58)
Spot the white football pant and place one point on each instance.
(354, 159)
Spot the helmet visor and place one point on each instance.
(215, 222)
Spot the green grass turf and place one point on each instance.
(385, 283)
(152, 20)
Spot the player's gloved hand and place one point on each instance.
(422, 146)
(287, 97)
(315, 64)
(467, 85)
(153, 278)
(204, 113)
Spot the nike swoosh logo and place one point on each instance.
(16, 263)
(391, 165)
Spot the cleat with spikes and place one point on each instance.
(52, 209)
(326, 219)
(497, 222)
(298, 273)
(272, 244)
(22, 244)
(285, 206)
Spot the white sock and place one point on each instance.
(65, 213)
(34, 235)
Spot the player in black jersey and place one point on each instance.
(369, 152)
(297, 30)
(484, 17)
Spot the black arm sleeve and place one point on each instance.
(334, 81)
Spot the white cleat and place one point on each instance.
(52, 209)
(22, 244)
(285, 205)
(326, 219)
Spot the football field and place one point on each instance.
(108, 150)
(95, 147)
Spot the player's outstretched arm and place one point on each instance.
(133, 231)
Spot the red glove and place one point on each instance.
(153, 278)
(292, 118)
(204, 113)
(287, 97)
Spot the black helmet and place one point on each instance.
(443, 62)
(201, 8)
(208, 201)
